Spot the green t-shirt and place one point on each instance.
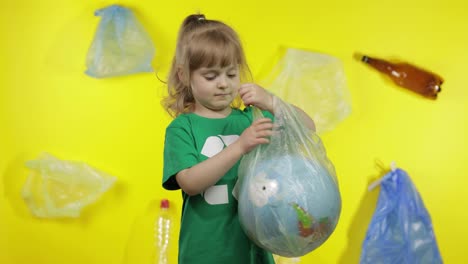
(210, 230)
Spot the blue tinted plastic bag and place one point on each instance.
(121, 46)
(401, 229)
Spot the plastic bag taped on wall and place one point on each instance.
(121, 46)
(315, 82)
(57, 188)
(401, 229)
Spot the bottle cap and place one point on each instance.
(365, 58)
(164, 204)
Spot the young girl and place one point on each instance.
(208, 137)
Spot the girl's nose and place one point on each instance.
(222, 82)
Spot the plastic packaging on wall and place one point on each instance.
(121, 45)
(401, 229)
(57, 188)
(315, 82)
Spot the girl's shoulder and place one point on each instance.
(187, 119)
(181, 121)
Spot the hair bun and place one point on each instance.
(201, 17)
(193, 20)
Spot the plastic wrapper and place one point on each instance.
(314, 82)
(289, 200)
(400, 230)
(121, 45)
(58, 188)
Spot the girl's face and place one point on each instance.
(214, 89)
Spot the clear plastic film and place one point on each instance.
(289, 200)
(57, 188)
(314, 82)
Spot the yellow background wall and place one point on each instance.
(117, 125)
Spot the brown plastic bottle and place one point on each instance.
(408, 76)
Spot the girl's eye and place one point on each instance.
(210, 77)
(232, 75)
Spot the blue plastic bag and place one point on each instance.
(121, 46)
(401, 229)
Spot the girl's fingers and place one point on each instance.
(264, 127)
(268, 127)
(265, 133)
(247, 96)
(264, 120)
(244, 89)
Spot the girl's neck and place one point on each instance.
(208, 113)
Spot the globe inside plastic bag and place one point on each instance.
(57, 188)
(401, 229)
(289, 201)
(314, 82)
(121, 45)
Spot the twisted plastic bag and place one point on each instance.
(58, 188)
(289, 202)
(314, 82)
(401, 229)
(121, 45)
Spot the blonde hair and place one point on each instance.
(201, 43)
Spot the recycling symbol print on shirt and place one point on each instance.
(217, 194)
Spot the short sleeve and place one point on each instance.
(179, 154)
(268, 114)
(249, 112)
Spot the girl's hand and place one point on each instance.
(252, 94)
(255, 134)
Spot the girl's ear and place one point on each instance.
(181, 75)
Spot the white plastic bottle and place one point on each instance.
(162, 233)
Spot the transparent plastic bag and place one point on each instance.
(400, 230)
(58, 188)
(314, 82)
(121, 45)
(289, 201)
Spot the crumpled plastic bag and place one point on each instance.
(400, 230)
(289, 200)
(314, 82)
(58, 188)
(121, 45)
